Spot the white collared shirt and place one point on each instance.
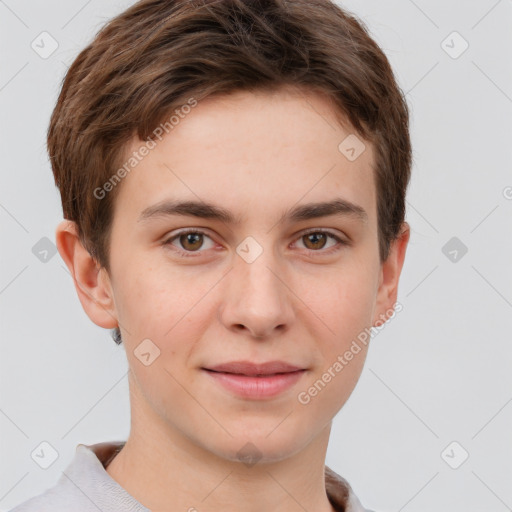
(85, 486)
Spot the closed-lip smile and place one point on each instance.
(255, 369)
(255, 381)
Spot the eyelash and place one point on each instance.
(187, 254)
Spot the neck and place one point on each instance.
(166, 470)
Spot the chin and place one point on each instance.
(253, 446)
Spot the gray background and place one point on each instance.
(437, 373)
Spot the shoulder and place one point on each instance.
(341, 494)
(85, 486)
(63, 496)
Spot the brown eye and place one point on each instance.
(315, 241)
(191, 241)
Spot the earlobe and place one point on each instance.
(91, 281)
(390, 276)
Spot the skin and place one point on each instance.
(298, 301)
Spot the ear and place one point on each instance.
(92, 282)
(390, 275)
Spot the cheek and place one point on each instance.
(167, 308)
(343, 309)
(342, 300)
(328, 389)
(349, 314)
(145, 294)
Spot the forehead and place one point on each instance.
(254, 153)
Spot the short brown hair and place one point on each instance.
(152, 58)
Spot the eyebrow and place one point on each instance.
(205, 210)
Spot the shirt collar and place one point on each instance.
(93, 459)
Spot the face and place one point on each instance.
(258, 284)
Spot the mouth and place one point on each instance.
(250, 369)
(255, 376)
(256, 382)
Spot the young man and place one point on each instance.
(233, 177)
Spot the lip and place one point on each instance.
(255, 381)
(251, 369)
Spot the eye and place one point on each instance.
(191, 240)
(315, 241)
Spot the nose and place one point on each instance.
(256, 298)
